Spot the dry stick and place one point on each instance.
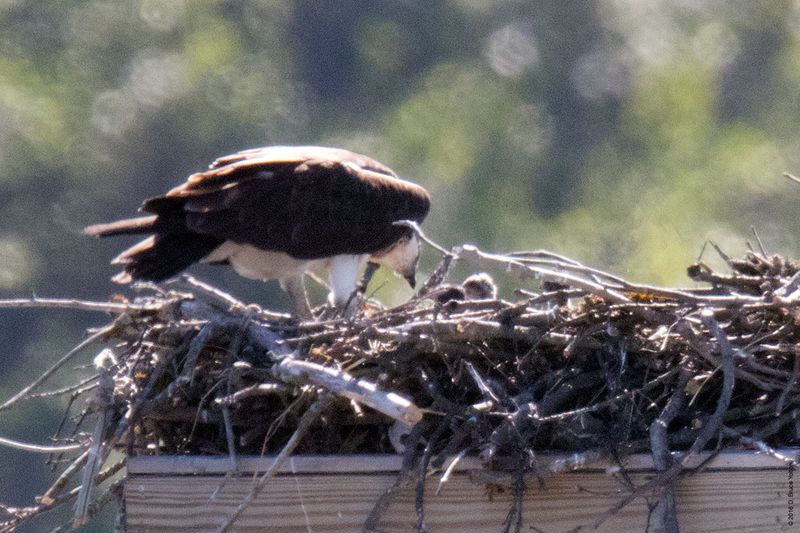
(63, 498)
(437, 278)
(248, 392)
(195, 347)
(725, 257)
(50, 371)
(616, 283)
(304, 424)
(474, 255)
(233, 350)
(344, 384)
(449, 470)
(553, 256)
(514, 516)
(48, 498)
(610, 401)
(229, 437)
(229, 300)
(103, 307)
(76, 388)
(664, 515)
(105, 362)
(741, 373)
(97, 505)
(758, 240)
(209, 290)
(81, 515)
(36, 448)
(54, 459)
(422, 469)
(401, 481)
(789, 385)
(791, 177)
(414, 226)
(135, 408)
(789, 286)
(711, 427)
(760, 445)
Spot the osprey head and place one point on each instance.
(401, 257)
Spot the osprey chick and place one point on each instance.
(276, 212)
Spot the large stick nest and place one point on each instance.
(586, 364)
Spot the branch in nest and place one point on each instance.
(343, 384)
(308, 418)
(50, 371)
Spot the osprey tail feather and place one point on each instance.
(163, 255)
(129, 226)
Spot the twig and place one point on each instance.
(36, 448)
(111, 493)
(710, 428)
(343, 384)
(61, 362)
(514, 516)
(758, 240)
(414, 226)
(401, 481)
(105, 363)
(48, 498)
(791, 177)
(83, 305)
(664, 515)
(790, 383)
(305, 423)
(78, 388)
(253, 390)
(759, 445)
(474, 255)
(30, 512)
(437, 278)
(209, 290)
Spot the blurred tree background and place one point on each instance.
(621, 133)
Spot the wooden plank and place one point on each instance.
(719, 500)
(737, 460)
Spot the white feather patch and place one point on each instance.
(343, 277)
(254, 263)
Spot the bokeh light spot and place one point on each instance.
(17, 262)
(113, 112)
(156, 77)
(162, 15)
(511, 51)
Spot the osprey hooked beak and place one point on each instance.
(402, 258)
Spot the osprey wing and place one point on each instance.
(308, 202)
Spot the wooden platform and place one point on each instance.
(738, 491)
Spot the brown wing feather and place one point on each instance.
(272, 159)
(320, 203)
(309, 202)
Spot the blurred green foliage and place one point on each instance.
(622, 133)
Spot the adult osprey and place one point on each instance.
(275, 212)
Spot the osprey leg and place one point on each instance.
(343, 283)
(297, 292)
(367, 277)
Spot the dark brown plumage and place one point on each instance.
(307, 202)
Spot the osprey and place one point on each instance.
(276, 212)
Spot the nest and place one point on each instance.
(589, 364)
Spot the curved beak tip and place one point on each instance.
(411, 280)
